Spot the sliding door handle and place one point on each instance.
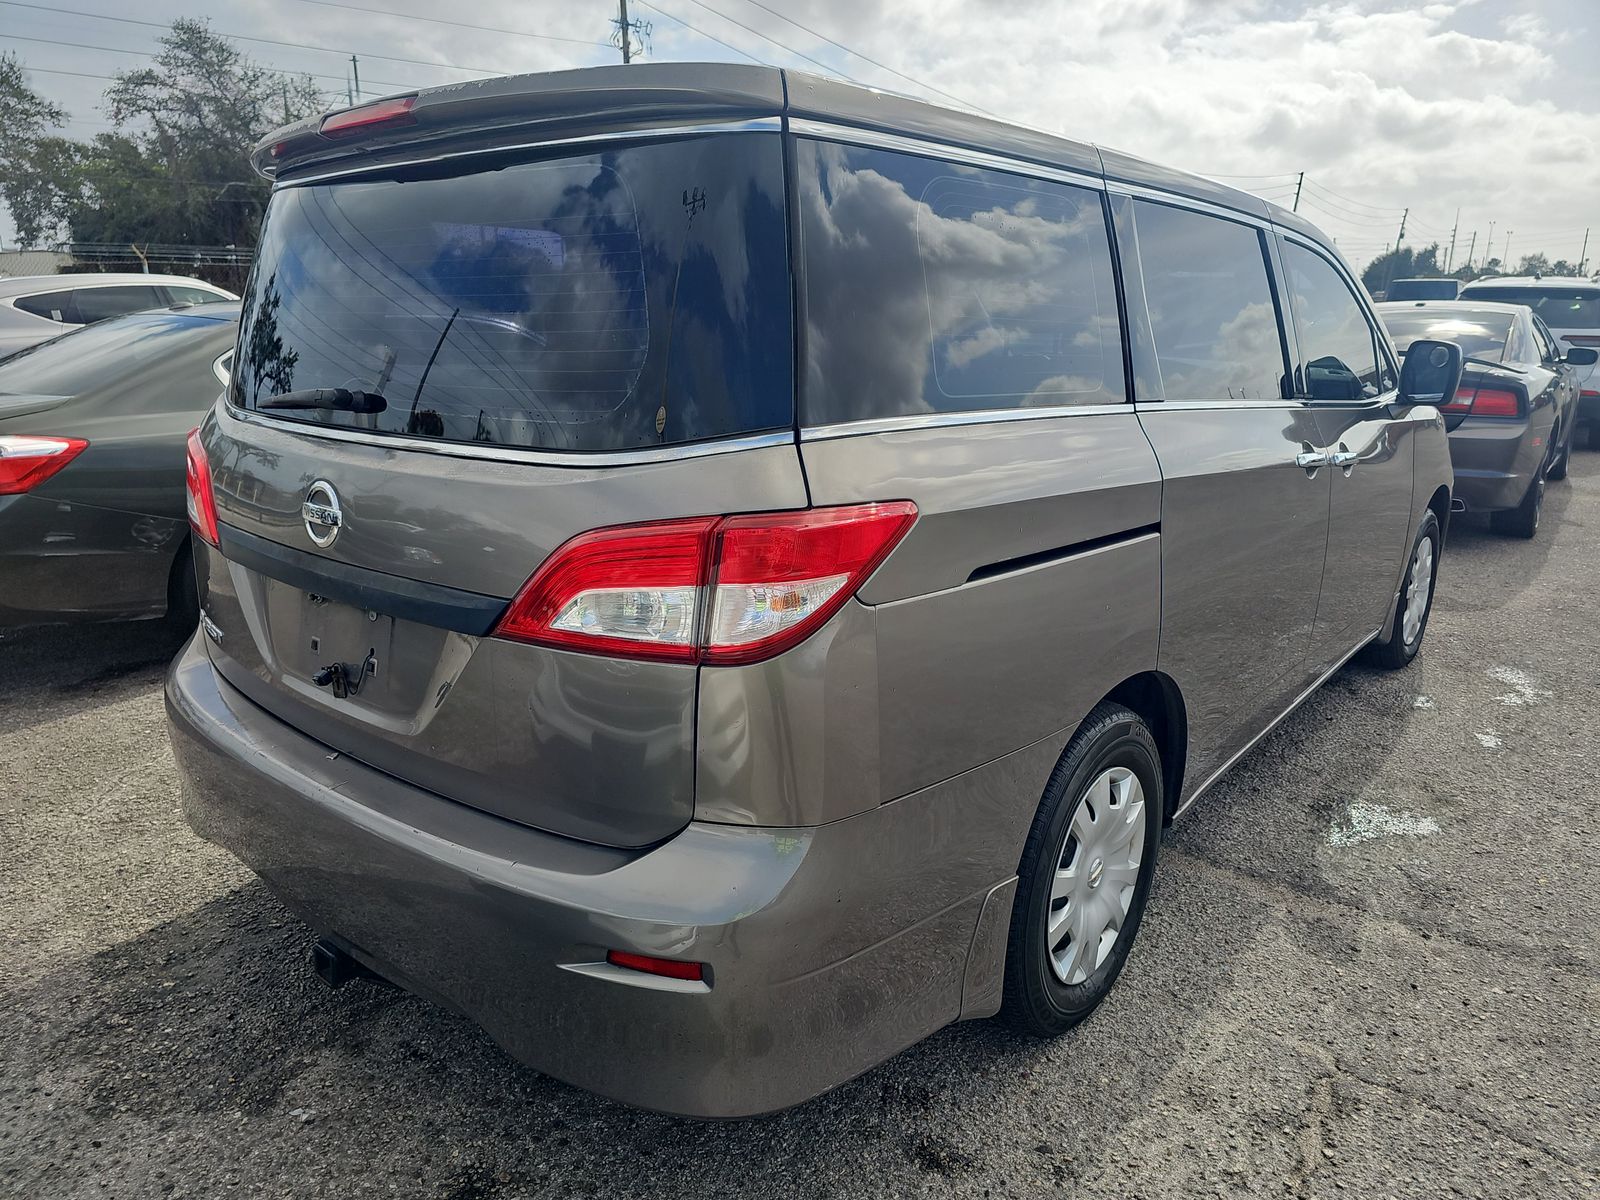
(1311, 459)
(1343, 458)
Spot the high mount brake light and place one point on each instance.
(394, 111)
(26, 461)
(198, 493)
(707, 589)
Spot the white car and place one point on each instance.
(35, 308)
(1569, 308)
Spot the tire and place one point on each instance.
(1406, 639)
(1110, 765)
(1563, 455)
(183, 597)
(1523, 520)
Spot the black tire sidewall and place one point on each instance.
(1429, 528)
(1116, 739)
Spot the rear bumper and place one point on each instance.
(1494, 462)
(811, 979)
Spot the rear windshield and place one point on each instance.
(1423, 289)
(1479, 334)
(87, 358)
(630, 298)
(1561, 308)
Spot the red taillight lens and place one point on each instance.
(1588, 395)
(201, 502)
(27, 461)
(1485, 402)
(707, 589)
(396, 111)
(670, 968)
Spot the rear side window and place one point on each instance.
(101, 303)
(936, 288)
(1338, 352)
(52, 306)
(1211, 308)
(1560, 308)
(631, 298)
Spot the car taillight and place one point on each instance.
(667, 968)
(27, 461)
(706, 589)
(1484, 402)
(1588, 395)
(394, 111)
(198, 495)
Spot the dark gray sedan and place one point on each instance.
(92, 432)
(1512, 420)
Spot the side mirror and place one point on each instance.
(1431, 372)
(1581, 356)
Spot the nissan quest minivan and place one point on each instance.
(716, 574)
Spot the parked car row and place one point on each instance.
(718, 600)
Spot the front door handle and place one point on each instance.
(1311, 459)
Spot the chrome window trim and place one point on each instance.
(513, 454)
(1178, 200)
(224, 376)
(753, 125)
(911, 422)
(873, 139)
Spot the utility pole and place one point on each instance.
(1451, 256)
(285, 101)
(624, 29)
(355, 71)
(1401, 236)
(1299, 183)
(1583, 254)
(1506, 253)
(1488, 247)
(1472, 248)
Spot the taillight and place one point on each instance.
(1588, 395)
(707, 589)
(395, 111)
(27, 461)
(1485, 402)
(198, 495)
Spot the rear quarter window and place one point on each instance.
(932, 287)
(629, 298)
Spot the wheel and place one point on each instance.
(183, 597)
(1085, 874)
(1561, 455)
(1415, 603)
(1523, 520)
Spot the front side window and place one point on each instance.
(932, 287)
(628, 298)
(1338, 352)
(1211, 309)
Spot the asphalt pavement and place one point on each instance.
(1371, 967)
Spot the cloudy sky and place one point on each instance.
(1491, 107)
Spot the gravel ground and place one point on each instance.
(1369, 969)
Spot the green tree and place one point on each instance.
(1401, 263)
(176, 167)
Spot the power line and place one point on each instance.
(708, 36)
(867, 58)
(153, 54)
(241, 37)
(384, 12)
(832, 70)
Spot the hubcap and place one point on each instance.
(1418, 591)
(1096, 875)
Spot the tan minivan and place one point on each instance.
(717, 574)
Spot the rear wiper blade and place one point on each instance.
(333, 399)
